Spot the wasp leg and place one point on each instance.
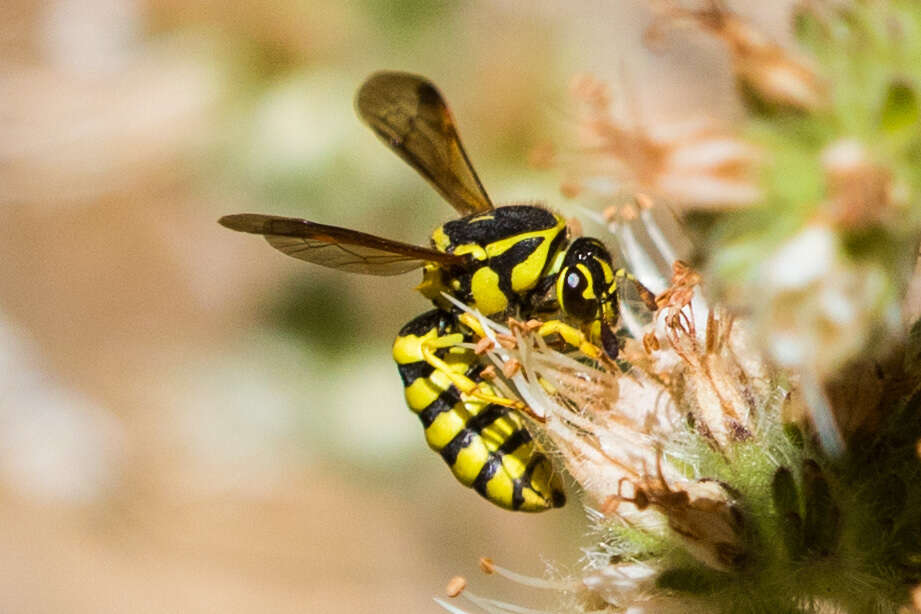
(571, 335)
(463, 383)
(546, 385)
(473, 323)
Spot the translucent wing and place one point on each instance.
(408, 113)
(337, 248)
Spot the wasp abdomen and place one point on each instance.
(486, 445)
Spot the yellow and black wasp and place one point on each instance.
(503, 261)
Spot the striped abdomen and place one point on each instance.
(486, 445)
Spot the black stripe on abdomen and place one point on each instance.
(514, 441)
(412, 371)
(490, 468)
(454, 447)
(487, 416)
(444, 402)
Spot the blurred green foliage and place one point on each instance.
(868, 57)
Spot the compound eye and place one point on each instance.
(574, 295)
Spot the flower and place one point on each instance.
(687, 163)
(755, 447)
(695, 462)
(767, 72)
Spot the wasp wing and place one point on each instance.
(338, 248)
(409, 114)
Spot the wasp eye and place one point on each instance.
(575, 295)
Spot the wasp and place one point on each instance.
(516, 260)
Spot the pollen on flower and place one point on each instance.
(455, 586)
(532, 325)
(524, 327)
(574, 226)
(542, 156)
(510, 367)
(651, 342)
(570, 189)
(625, 212)
(484, 345)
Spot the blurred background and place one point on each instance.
(190, 421)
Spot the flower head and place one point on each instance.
(686, 163)
(755, 447)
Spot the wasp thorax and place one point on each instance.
(509, 251)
